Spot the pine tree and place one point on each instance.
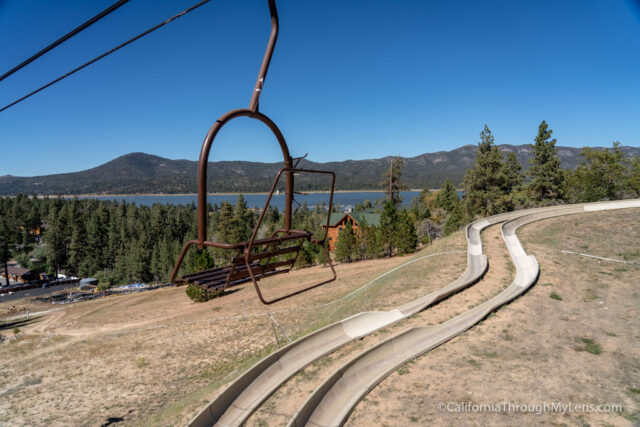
(601, 175)
(547, 178)
(346, 245)
(512, 170)
(202, 260)
(77, 248)
(56, 238)
(7, 242)
(406, 238)
(484, 183)
(388, 227)
(391, 183)
(243, 221)
(455, 220)
(632, 181)
(447, 198)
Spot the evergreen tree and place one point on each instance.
(447, 198)
(346, 246)
(307, 255)
(388, 227)
(601, 175)
(406, 239)
(243, 221)
(547, 178)
(202, 260)
(78, 248)
(8, 236)
(371, 238)
(633, 177)
(455, 220)
(484, 183)
(56, 238)
(512, 170)
(391, 183)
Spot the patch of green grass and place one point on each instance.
(631, 416)
(16, 331)
(590, 346)
(634, 390)
(489, 354)
(611, 334)
(546, 284)
(404, 370)
(630, 255)
(554, 295)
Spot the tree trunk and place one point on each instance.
(6, 272)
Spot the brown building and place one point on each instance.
(339, 220)
(20, 275)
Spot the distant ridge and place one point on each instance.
(146, 173)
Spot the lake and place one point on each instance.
(343, 198)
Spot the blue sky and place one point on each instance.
(349, 79)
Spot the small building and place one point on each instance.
(339, 220)
(88, 284)
(19, 274)
(39, 229)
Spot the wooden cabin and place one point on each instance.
(20, 275)
(339, 220)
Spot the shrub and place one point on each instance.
(554, 295)
(591, 346)
(198, 294)
(103, 287)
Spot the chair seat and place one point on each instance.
(261, 263)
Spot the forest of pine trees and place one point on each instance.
(119, 243)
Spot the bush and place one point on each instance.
(555, 296)
(590, 346)
(200, 295)
(103, 287)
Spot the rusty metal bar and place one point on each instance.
(320, 242)
(271, 44)
(204, 161)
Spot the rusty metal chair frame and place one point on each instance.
(245, 249)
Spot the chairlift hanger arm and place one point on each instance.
(271, 44)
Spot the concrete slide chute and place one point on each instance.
(332, 402)
(242, 397)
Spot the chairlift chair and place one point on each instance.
(259, 257)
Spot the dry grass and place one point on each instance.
(583, 349)
(155, 358)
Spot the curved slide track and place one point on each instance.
(242, 397)
(332, 402)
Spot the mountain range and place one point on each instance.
(145, 173)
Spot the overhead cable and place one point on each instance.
(109, 52)
(64, 38)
